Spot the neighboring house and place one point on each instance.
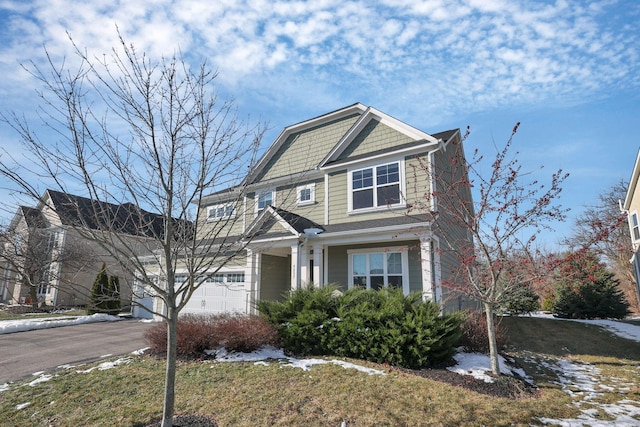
(632, 207)
(328, 203)
(49, 244)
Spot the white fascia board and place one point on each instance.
(425, 147)
(232, 194)
(401, 126)
(297, 178)
(635, 174)
(394, 232)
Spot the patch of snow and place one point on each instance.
(22, 406)
(265, 353)
(11, 326)
(479, 366)
(4, 387)
(41, 379)
(107, 365)
(65, 366)
(583, 382)
(140, 352)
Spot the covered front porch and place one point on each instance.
(277, 267)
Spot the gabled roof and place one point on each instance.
(363, 116)
(352, 109)
(369, 114)
(32, 217)
(292, 224)
(126, 218)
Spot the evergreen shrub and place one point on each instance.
(382, 326)
(587, 290)
(105, 294)
(521, 300)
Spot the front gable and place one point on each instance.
(302, 147)
(376, 134)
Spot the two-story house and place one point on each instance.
(50, 243)
(328, 203)
(631, 206)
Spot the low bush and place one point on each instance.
(382, 326)
(197, 333)
(243, 333)
(474, 333)
(521, 300)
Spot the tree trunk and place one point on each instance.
(170, 375)
(491, 335)
(33, 294)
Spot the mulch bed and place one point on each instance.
(189, 421)
(503, 386)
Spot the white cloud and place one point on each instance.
(467, 55)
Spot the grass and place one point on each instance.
(6, 315)
(248, 394)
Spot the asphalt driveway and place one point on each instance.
(24, 353)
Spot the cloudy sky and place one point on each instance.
(567, 69)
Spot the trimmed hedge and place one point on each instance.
(382, 326)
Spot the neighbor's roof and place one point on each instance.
(126, 218)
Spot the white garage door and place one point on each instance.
(223, 293)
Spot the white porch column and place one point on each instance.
(295, 266)
(252, 284)
(318, 269)
(305, 271)
(426, 256)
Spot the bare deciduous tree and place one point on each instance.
(509, 210)
(153, 137)
(31, 259)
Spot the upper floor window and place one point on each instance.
(264, 199)
(306, 194)
(218, 212)
(634, 226)
(376, 187)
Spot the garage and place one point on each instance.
(221, 293)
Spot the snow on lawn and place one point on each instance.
(585, 382)
(271, 353)
(10, 326)
(624, 330)
(107, 365)
(479, 366)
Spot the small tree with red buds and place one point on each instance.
(492, 237)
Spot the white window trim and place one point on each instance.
(634, 214)
(261, 193)
(375, 208)
(214, 208)
(312, 199)
(404, 254)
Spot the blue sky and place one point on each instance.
(568, 70)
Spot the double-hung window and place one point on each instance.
(264, 199)
(305, 194)
(373, 269)
(635, 230)
(376, 187)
